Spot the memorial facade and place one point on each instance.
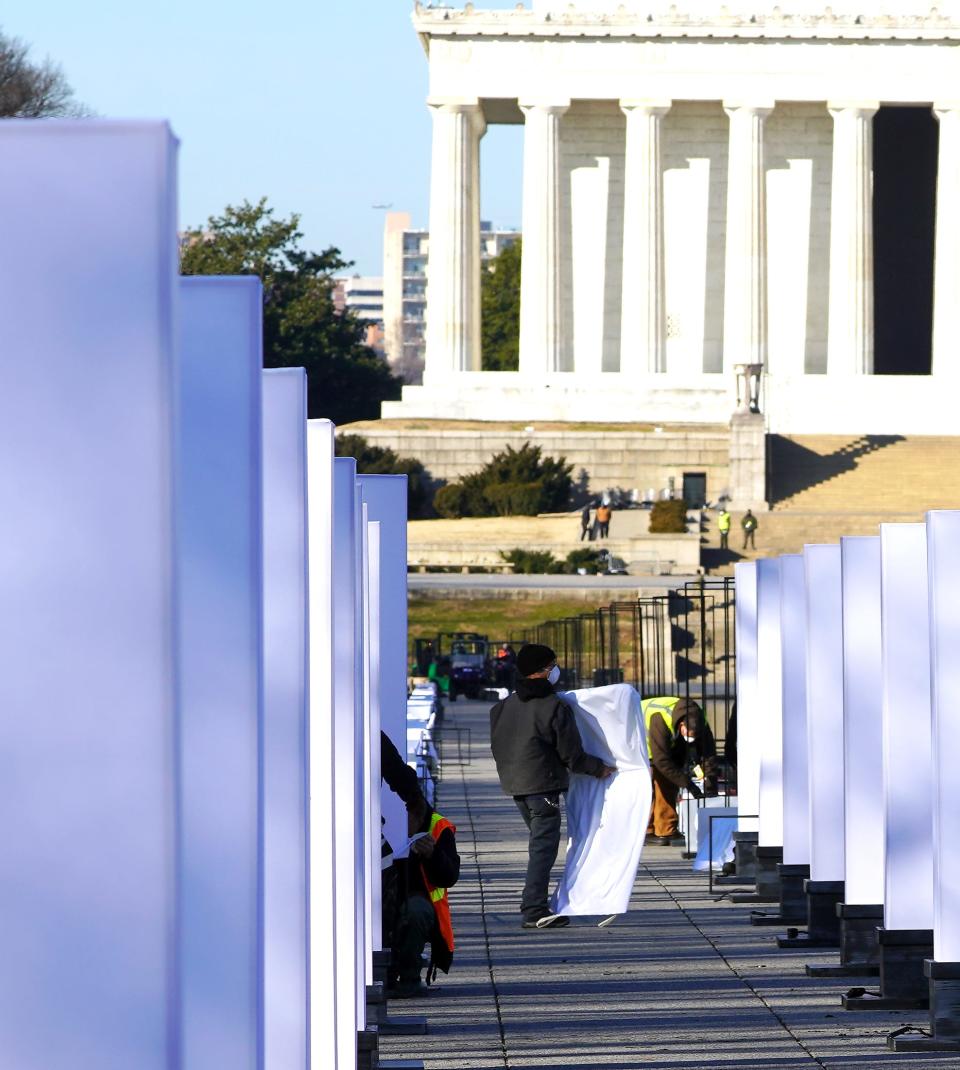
(704, 187)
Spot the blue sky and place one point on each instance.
(316, 104)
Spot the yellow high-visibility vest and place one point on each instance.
(723, 521)
(663, 705)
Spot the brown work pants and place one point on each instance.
(663, 813)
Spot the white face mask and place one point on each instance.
(554, 675)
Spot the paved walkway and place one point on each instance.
(682, 981)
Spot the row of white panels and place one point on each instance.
(203, 616)
(848, 680)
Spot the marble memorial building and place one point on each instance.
(706, 187)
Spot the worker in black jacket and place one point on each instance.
(536, 745)
(400, 778)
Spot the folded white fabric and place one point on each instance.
(606, 819)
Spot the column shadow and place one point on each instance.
(795, 468)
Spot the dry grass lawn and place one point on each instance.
(498, 618)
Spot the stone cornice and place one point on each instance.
(778, 26)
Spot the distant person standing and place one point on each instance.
(749, 525)
(585, 522)
(604, 512)
(723, 526)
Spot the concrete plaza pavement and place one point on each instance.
(681, 981)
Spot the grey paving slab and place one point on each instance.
(681, 981)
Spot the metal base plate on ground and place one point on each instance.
(762, 917)
(909, 1042)
(752, 897)
(802, 940)
(850, 970)
(732, 878)
(402, 1025)
(400, 1064)
(873, 1001)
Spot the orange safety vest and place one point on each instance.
(438, 896)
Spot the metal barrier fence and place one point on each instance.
(678, 643)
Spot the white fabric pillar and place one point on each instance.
(88, 366)
(749, 730)
(825, 710)
(285, 717)
(453, 266)
(543, 347)
(907, 758)
(770, 700)
(219, 683)
(323, 968)
(745, 291)
(946, 287)
(347, 756)
(386, 501)
(943, 564)
(643, 331)
(793, 639)
(850, 327)
(862, 720)
(373, 903)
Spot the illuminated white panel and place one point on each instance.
(862, 720)
(87, 369)
(793, 632)
(285, 717)
(770, 703)
(219, 560)
(907, 760)
(943, 563)
(347, 752)
(748, 713)
(825, 710)
(386, 501)
(322, 876)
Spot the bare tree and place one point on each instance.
(33, 90)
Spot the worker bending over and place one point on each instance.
(682, 750)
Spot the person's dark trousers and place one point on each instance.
(604, 529)
(724, 536)
(584, 532)
(541, 814)
(410, 935)
(748, 540)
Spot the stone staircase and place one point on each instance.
(825, 486)
(823, 474)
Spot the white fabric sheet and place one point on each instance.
(606, 819)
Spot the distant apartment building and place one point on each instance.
(405, 256)
(363, 296)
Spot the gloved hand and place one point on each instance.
(694, 789)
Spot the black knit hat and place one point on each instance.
(532, 657)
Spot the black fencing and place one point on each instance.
(678, 643)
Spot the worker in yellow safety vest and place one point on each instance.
(682, 753)
(723, 526)
(423, 914)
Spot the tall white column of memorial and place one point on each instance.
(453, 264)
(850, 329)
(542, 342)
(946, 287)
(643, 331)
(745, 295)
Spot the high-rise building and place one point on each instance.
(363, 296)
(405, 256)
